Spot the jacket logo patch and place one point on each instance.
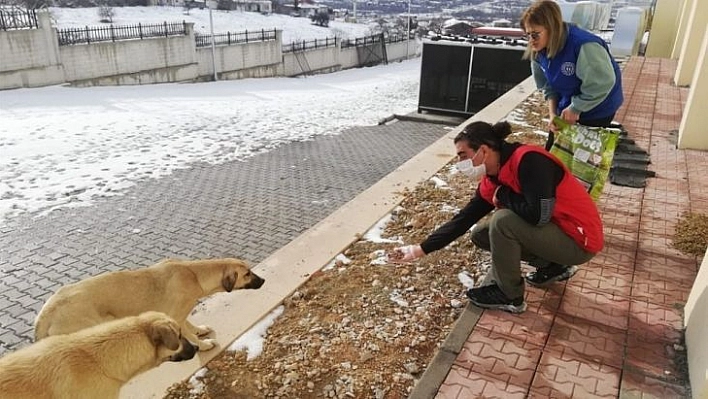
(568, 69)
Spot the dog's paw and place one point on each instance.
(202, 331)
(207, 344)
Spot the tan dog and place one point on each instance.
(92, 363)
(171, 286)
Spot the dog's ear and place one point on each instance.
(229, 280)
(165, 334)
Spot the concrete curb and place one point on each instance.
(448, 120)
(438, 369)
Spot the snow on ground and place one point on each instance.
(294, 29)
(196, 381)
(374, 234)
(252, 340)
(63, 146)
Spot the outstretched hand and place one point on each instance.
(406, 254)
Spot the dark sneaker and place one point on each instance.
(546, 275)
(491, 297)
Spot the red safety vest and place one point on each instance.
(574, 211)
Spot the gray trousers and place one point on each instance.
(511, 239)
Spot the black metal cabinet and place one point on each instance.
(461, 77)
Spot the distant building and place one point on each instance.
(305, 8)
(179, 3)
(501, 23)
(456, 27)
(261, 6)
(512, 33)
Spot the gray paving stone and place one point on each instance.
(4, 303)
(9, 340)
(13, 294)
(6, 318)
(244, 209)
(21, 328)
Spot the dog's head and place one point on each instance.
(237, 276)
(164, 332)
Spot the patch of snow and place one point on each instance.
(374, 233)
(341, 258)
(252, 340)
(439, 183)
(196, 383)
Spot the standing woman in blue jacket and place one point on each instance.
(580, 80)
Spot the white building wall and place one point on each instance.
(696, 324)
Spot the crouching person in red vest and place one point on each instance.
(542, 215)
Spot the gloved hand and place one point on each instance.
(406, 254)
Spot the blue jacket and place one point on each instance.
(560, 74)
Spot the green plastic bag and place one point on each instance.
(587, 152)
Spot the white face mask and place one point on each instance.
(471, 171)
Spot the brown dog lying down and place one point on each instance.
(171, 286)
(92, 363)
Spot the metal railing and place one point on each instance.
(18, 19)
(396, 38)
(361, 41)
(229, 38)
(309, 44)
(88, 35)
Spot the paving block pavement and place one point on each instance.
(245, 209)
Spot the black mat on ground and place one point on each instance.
(630, 163)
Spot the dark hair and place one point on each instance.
(478, 133)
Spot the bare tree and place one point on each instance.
(435, 25)
(106, 13)
(188, 5)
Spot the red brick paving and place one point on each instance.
(461, 383)
(613, 329)
(587, 339)
(500, 357)
(568, 375)
(531, 326)
(636, 385)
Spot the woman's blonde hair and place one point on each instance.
(545, 13)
